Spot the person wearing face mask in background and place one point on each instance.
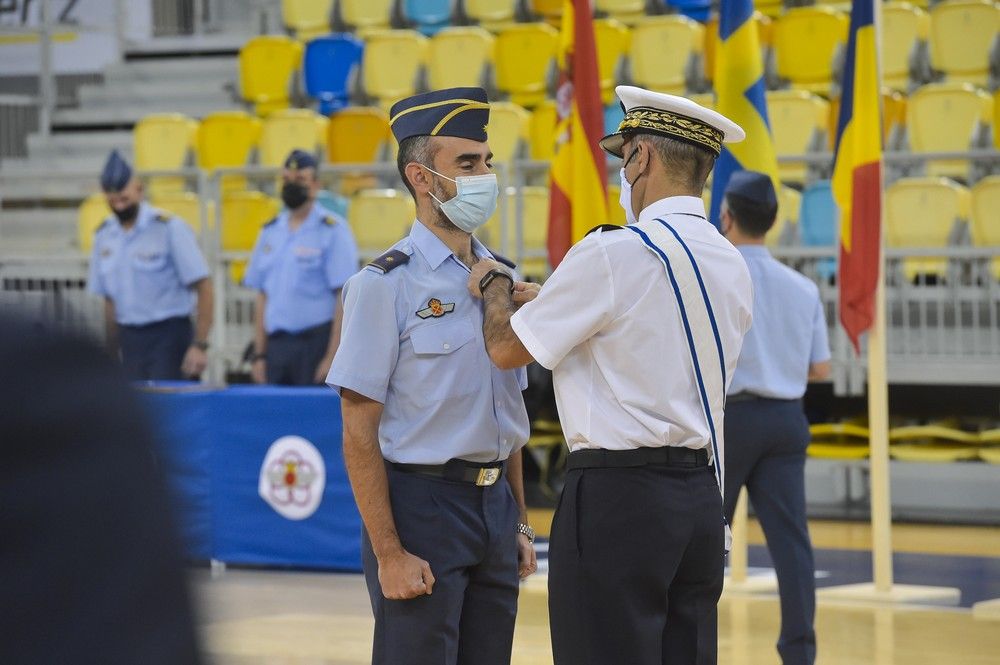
(299, 265)
(147, 266)
(432, 431)
(641, 326)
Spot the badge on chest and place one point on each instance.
(435, 309)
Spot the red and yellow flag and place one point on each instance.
(578, 200)
(857, 175)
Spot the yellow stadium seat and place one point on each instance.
(535, 230)
(379, 218)
(921, 212)
(164, 142)
(805, 41)
(799, 122)
(841, 440)
(933, 432)
(932, 453)
(904, 27)
(491, 233)
(626, 11)
(840, 451)
(187, 206)
(267, 64)
(89, 217)
(524, 56)
(990, 455)
(458, 57)
(664, 49)
(547, 10)
(613, 41)
(984, 228)
(508, 130)
(944, 117)
(287, 130)
(542, 130)
(365, 13)
(225, 140)
(392, 62)
(789, 202)
(769, 8)
(357, 134)
(307, 18)
(490, 14)
(242, 216)
(961, 36)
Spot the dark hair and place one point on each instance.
(419, 149)
(686, 163)
(753, 218)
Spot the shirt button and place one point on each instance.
(447, 346)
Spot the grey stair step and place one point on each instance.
(53, 228)
(88, 144)
(222, 42)
(114, 114)
(167, 69)
(145, 92)
(28, 184)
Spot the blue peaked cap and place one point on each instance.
(116, 173)
(753, 186)
(461, 112)
(300, 159)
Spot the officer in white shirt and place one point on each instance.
(641, 326)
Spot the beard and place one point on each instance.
(441, 220)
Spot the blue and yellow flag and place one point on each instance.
(739, 85)
(857, 175)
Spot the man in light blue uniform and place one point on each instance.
(432, 430)
(298, 267)
(147, 265)
(765, 428)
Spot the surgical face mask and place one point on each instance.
(294, 194)
(127, 214)
(475, 202)
(625, 197)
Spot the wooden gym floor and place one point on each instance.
(295, 618)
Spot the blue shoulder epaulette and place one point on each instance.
(270, 221)
(499, 258)
(162, 217)
(605, 227)
(390, 260)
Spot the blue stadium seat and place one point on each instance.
(428, 16)
(693, 9)
(330, 66)
(613, 116)
(818, 223)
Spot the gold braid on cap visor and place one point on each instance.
(687, 129)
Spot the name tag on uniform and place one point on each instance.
(304, 252)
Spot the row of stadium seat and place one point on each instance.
(310, 18)
(934, 442)
(957, 40)
(940, 117)
(920, 212)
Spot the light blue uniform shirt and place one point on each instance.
(301, 270)
(788, 333)
(426, 361)
(148, 270)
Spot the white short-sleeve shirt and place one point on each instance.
(607, 324)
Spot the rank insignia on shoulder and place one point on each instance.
(435, 308)
(162, 217)
(605, 227)
(390, 261)
(330, 220)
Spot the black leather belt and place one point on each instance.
(476, 473)
(667, 456)
(742, 397)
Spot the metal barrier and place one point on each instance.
(942, 329)
(19, 117)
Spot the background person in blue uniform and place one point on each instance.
(298, 267)
(432, 430)
(766, 429)
(147, 265)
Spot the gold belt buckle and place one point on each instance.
(487, 477)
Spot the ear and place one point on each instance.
(419, 178)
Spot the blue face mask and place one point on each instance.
(475, 202)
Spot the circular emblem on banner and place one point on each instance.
(292, 477)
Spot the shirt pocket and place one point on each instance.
(445, 363)
(309, 276)
(149, 261)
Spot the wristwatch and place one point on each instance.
(526, 530)
(491, 275)
(200, 344)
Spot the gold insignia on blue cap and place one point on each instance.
(460, 112)
(673, 125)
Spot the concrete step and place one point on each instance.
(223, 43)
(209, 90)
(164, 70)
(126, 115)
(71, 144)
(50, 228)
(27, 180)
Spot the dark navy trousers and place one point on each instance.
(636, 567)
(766, 442)
(292, 357)
(467, 535)
(155, 351)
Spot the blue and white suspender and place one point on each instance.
(707, 356)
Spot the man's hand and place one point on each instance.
(404, 576)
(258, 371)
(527, 562)
(479, 270)
(525, 292)
(322, 369)
(195, 362)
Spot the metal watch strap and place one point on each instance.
(526, 530)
